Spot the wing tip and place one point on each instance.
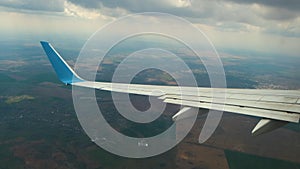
(44, 43)
(64, 72)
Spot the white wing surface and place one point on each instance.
(275, 107)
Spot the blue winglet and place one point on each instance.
(62, 69)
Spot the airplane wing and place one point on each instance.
(275, 107)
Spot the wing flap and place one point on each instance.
(271, 114)
(295, 108)
(267, 125)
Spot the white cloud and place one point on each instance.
(181, 3)
(71, 9)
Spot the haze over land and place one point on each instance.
(39, 126)
(258, 42)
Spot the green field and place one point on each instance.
(238, 160)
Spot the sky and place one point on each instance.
(266, 26)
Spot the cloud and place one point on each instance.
(53, 5)
(285, 4)
(226, 20)
(78, 11)
(276, 9)
(227, 15)
(134, 5)
(184, 8)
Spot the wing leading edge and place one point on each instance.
(275, 107)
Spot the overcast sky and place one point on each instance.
(269, 26)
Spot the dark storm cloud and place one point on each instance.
(52, 6)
